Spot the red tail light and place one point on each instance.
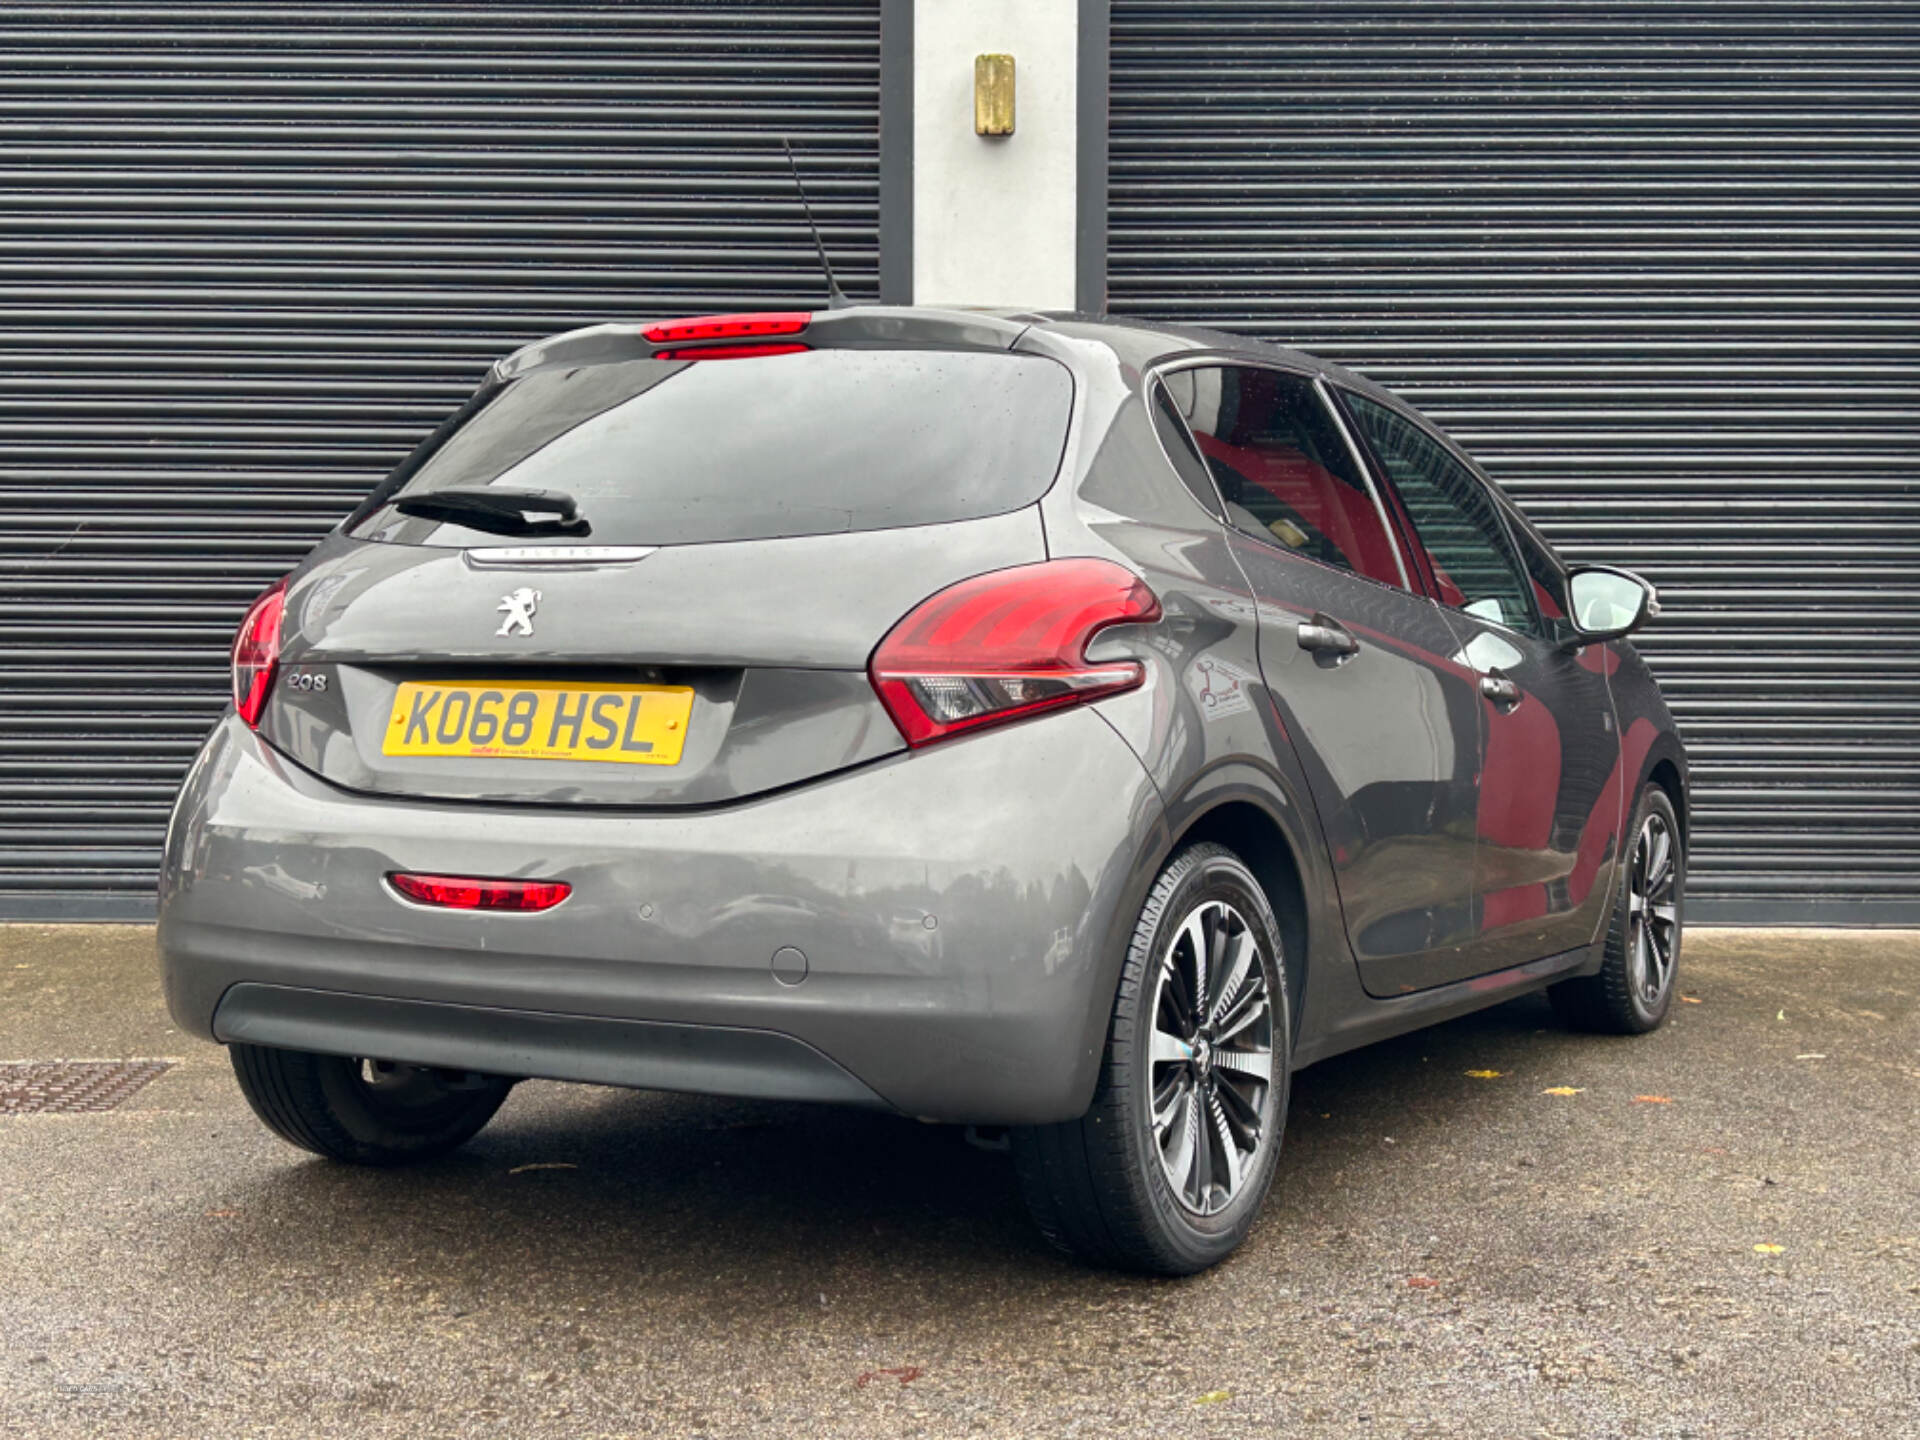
(1009, 644)
(256, 653)
(460, 892)
(711, 328)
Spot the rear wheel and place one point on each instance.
(366, 1112)
(1634, 990)
(1166, 1172)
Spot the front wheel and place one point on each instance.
(1166, 1172)
(366, 1112)
(1634, 990)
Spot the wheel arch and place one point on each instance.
(1665, 773)
(1256, 835)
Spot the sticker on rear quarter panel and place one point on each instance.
(1219, 687)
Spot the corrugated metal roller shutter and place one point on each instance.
(248, 255)
(1656, 264)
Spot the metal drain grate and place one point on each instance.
(40, 1087)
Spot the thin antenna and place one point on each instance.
(835, 300)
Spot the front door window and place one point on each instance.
(1459, 527)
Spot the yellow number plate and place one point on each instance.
(541, 720)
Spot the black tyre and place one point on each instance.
(1166, 1172)
(1634, 990)
(365, 1112)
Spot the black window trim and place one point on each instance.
(1325, 393)
(1216, 511)
(1518, 525)
(1494, 495)
(1216, 360)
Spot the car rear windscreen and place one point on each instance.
(661, 452)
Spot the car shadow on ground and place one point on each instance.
(730, 1207)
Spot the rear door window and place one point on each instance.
(683, 452)
(1283, 468)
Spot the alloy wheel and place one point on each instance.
(1211, 1057)
(1652, 911)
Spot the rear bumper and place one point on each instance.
(644, 1054)
(963, 912)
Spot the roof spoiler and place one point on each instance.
(910, 327)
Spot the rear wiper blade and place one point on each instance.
(499, 510)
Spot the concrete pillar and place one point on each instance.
(1016, 220)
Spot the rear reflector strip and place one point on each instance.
(464, 892)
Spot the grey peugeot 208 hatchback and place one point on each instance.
(1016, 720)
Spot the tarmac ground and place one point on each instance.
(1492, 1228)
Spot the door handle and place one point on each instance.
(1500, 690)
(1327, 637)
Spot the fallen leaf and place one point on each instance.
(1485, 1074)
(221, 1214)
(1565, 1090)
(903, 1373)
(1213, 1397)
(1689, 999)
(1781, 1016)
(1653, 1100)
(542, 1165)
(1422, 1282)
(1810, 1056)
(1765, 1249)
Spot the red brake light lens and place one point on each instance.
(460, 892)
(256, 653)
(1006, 645)
(711, 328)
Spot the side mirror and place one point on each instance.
(1608, 603)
